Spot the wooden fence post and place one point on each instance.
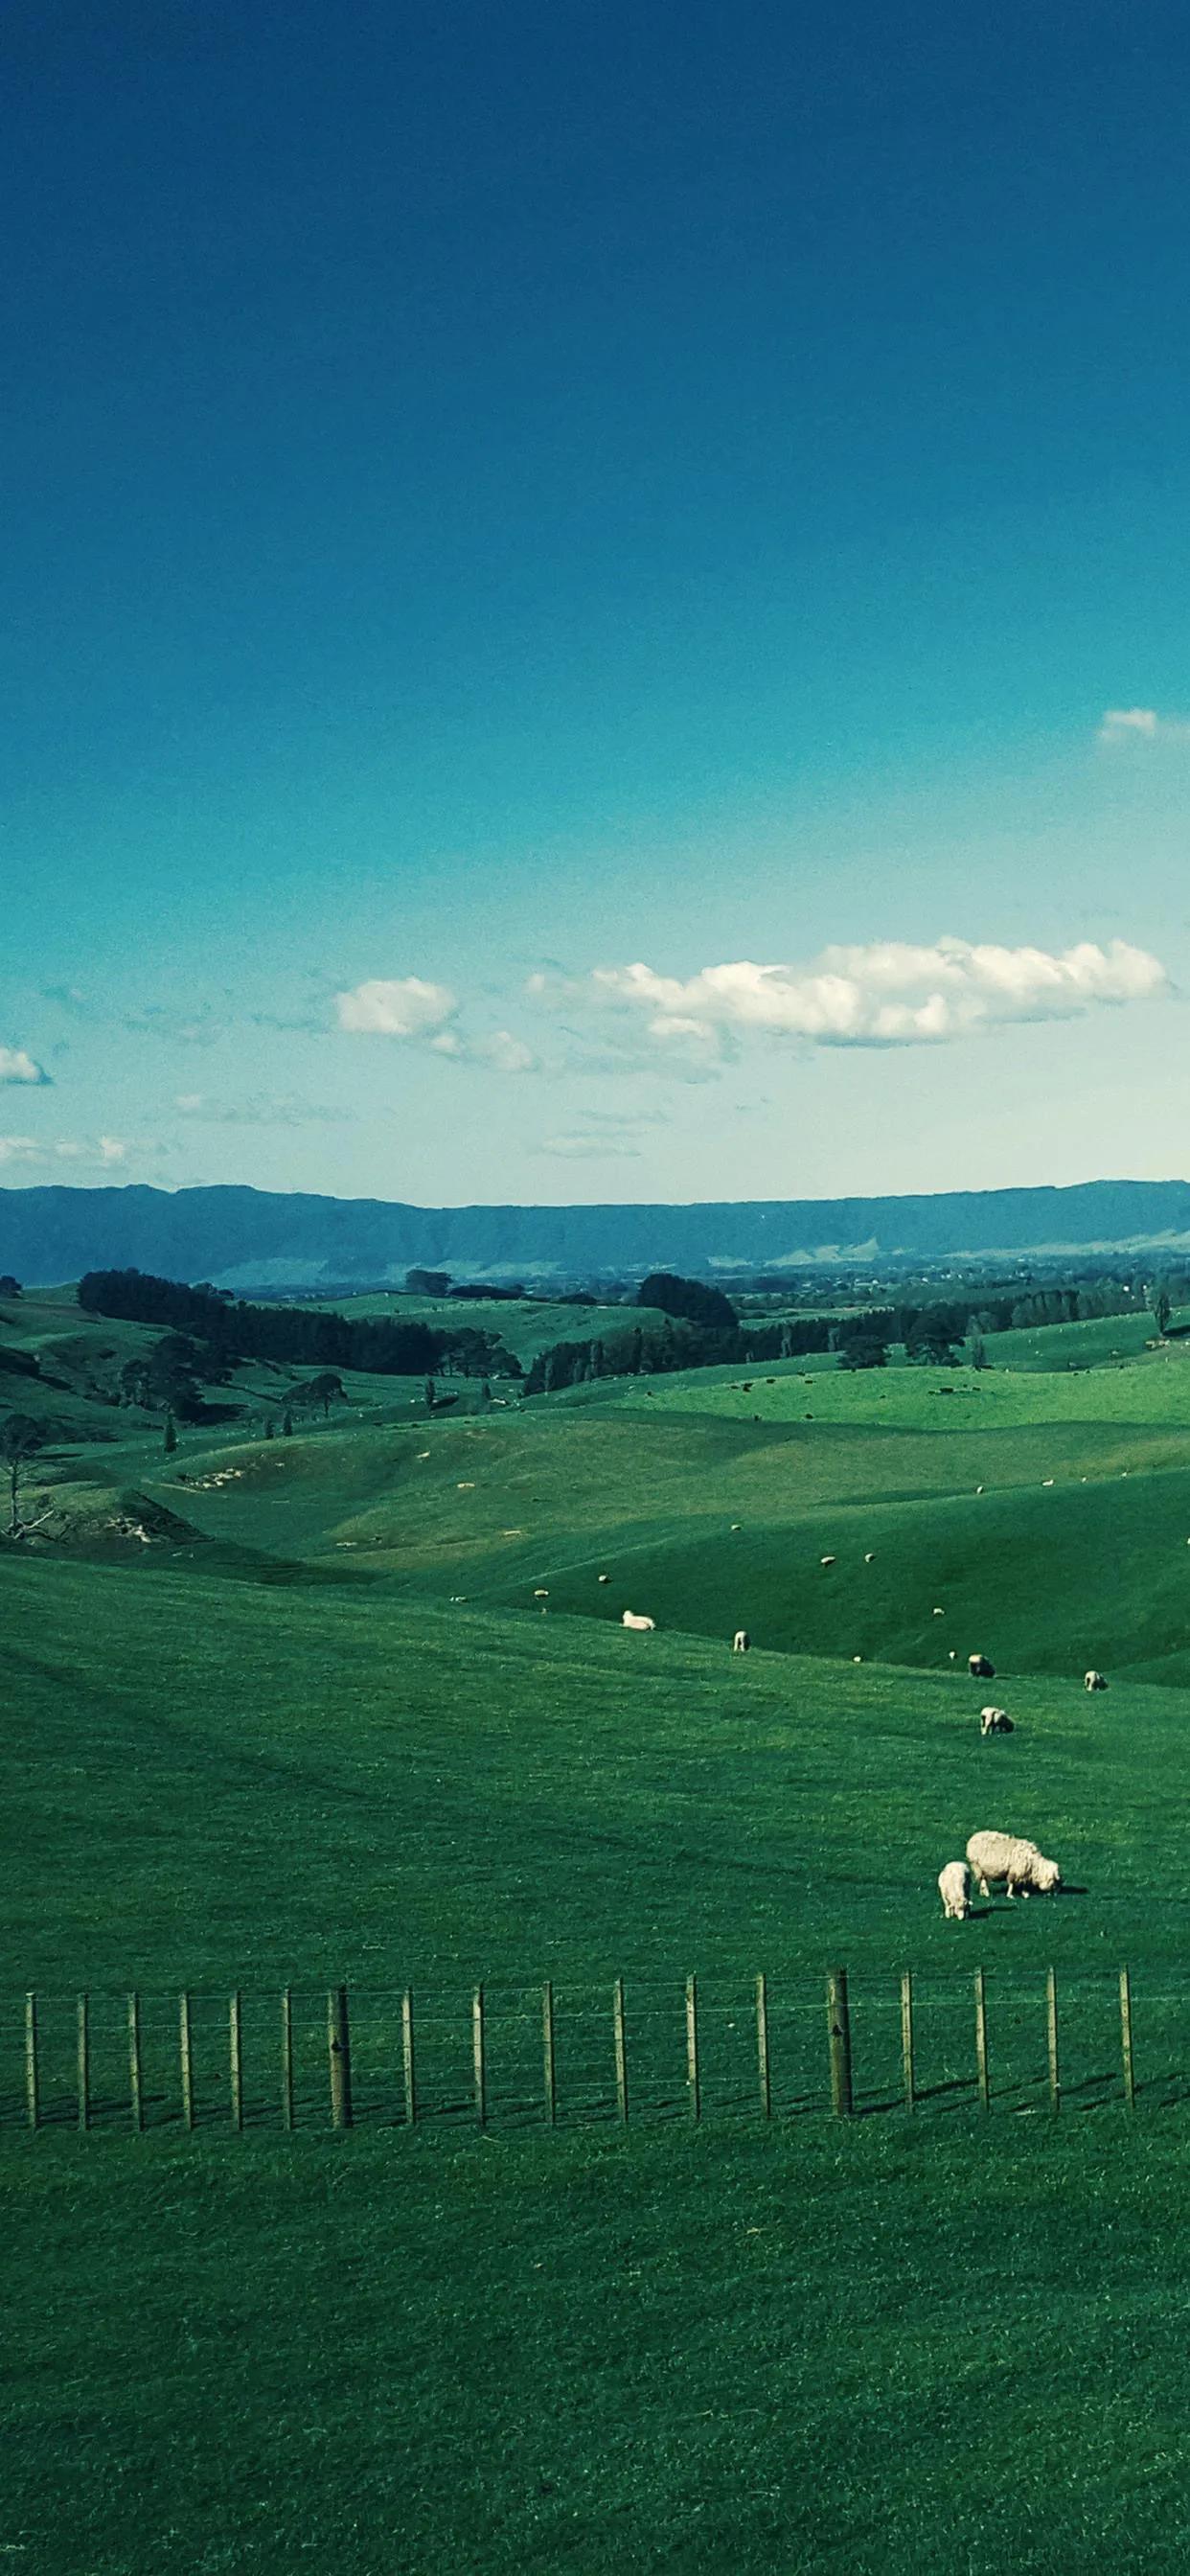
(235, 2056)
(32, 2084)
(693, 2084)
(338, 2041)
(907, 2065)
(620, 2034)
(407, 2055)
(186, 2057)
(838, 2023)
(548, 2053)
(135, 2069)
(287, 2111)
(1051, 2036)
(83, 2059)
(479, 2058)
(981, 2040)
(1126, 2038)
(762, 2047)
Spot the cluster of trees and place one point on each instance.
(229, 1330)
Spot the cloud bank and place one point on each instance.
(888, 993)
(103, 1153)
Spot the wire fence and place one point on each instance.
(562, 2055)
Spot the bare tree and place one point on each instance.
(20, 1440)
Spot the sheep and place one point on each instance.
(826, 1560)
(939, 1614)
(1094, 1681)
(994, 1721)
(633, 1619)
(981, 1668)
(603, 1578)
(1016, 1861)
(740, 1642)
(541, 1593)
(870, 1558)
(954, 1888)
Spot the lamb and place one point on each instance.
(994, 1721)
(1094, 1681)
(633, 1619)
(1009, 1857)
(954, 1888)
(740, 1642)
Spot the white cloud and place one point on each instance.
(505, 1053)
(1142, 724)
(17, 1066)
(400, 1007)
(887, 993)
(407, 1008)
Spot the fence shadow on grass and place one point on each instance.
(569, 2056)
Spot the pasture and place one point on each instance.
(330, 1733)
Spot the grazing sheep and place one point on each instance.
(980, 1668)
(603, 1578)
(870, 1558)
(1094, 1681)
(954, 1888)
(542, 1593)
(939, 1614)
(633, 1619)
(826, 1560)
(994, 1721)
(1019, 1863)
(740, 1642)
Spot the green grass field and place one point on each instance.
(329, 1732)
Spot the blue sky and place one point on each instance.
(507, 498)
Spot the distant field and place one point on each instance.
(525, 1327)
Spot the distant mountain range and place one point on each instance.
(245, 1238)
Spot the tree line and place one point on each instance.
(230, 1329)
(937, 1332)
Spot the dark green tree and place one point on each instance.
(287, 1424)
(1161, 1306)
(431, 1395)
(691, 1299)
(170, 1435)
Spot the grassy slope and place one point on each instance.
(900, 2348)
(870, 2353)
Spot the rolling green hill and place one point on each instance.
(368, 1713)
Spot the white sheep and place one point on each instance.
(1094, 1681)
(994, 1721)
(954, 1888)
(740, 1642)
(826, 1560)
(1009, 1857)
(634, 1619)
